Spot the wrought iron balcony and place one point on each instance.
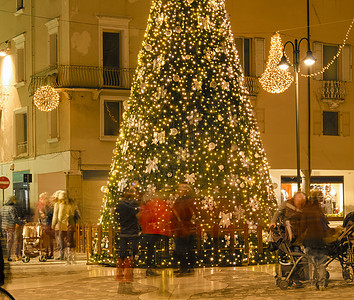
(91, 77)
(333, 92)
(252, 86)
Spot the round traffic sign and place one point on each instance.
(4, 182)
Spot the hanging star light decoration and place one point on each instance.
(46, 98)
(275, 80)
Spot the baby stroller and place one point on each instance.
(342, 249)
(32, 242)
(292, 270)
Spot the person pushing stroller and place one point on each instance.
(289, 215)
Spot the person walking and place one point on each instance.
(154, 218)
(314, 228)
(44, 215)
(183, 228)
(60, 228)
(9, 221)
(126, 214)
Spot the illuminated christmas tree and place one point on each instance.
(189, 120)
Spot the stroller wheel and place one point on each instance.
(26, 259)
(347, 275)
(42, 258)
(283, 284)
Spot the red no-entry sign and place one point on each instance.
(4, 182)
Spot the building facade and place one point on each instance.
(87, 51)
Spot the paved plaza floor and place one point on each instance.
(54, 280)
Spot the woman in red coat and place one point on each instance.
(154, 219)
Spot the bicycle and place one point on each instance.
(4, 294)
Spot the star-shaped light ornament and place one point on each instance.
(254, 204)
(204, 22)
(194, 117)
(151, 188)
(239, 213)
(122, 184)
(190, 178)
(161, 92)
(225, 86)
(197, 85)
(233, 120)
(225, 221)
(160, 19)
(159, 138)
(183, 154)
(209, 203)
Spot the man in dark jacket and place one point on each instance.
(9, 221)
(314, 227)
(128, 238)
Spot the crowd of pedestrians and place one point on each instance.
(146, 218)
(56, 215)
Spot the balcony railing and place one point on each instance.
(21, 148)
(333, 92)
(252, 86)
(91, 77)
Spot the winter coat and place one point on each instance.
(290, 216)
(314, 226)
(126, 212)
(63, 216)
(155, 217)
(9, 215)
(183, 211)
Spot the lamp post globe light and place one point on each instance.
(284, 64)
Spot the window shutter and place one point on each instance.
(347, 63)
(318, 53)
(259, 56)
(260, 119)
(345, 123)
(317, 122)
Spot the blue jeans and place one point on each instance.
(317, 261)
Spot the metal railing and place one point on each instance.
(74, 76)
(333, 90)
(252, 86)
(21, 148)
(94, 238)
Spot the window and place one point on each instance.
(341, 69)
(21, 141)
(329, 51)
(53, 126)
(20, 58)
(330, 123)
(112, 108)
(331, 187)
(252, 55)
(111, 59)
(114, 41)
(112, 117)
(53, 54)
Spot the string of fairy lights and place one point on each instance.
(340, 48)
(188, 120)
(275, 80)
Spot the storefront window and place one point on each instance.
(330, 186)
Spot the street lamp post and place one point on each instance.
(284, 64)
